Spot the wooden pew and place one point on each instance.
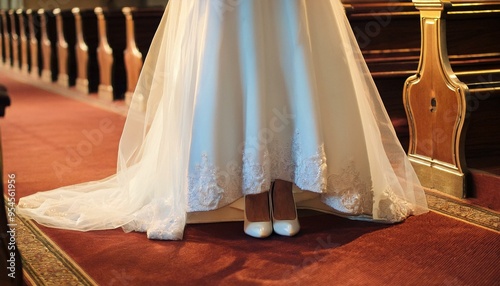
(112, 42)
(36, 59)
(453, 116)
(141, 25)
(66, 40)
(23, 41)
(87, 79)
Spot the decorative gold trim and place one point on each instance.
(463, 211)
(44, 263)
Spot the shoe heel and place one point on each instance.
(283, 210)
(259, 228)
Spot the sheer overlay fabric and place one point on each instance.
(235, 94)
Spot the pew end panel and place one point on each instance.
(141, 25)
(86, 46)
(81, 54)
(36, 59)
(2, 49)
(105, 58)
(62, 50)
(6, 38)
(452, 102)
(132, 56)
(66, 41)
(14, 37)
(112, 42)
(24, 41)
(435, 102)
(48, 44)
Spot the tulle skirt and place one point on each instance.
(236, 94)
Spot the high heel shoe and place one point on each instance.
(257, 220)
(283, 210)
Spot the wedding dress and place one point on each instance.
(238, 93)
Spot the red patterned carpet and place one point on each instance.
(46, 143)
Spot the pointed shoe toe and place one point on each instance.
(286, 227)
(260, 229)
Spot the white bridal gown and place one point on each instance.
(239, 93)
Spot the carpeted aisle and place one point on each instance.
(50, 140)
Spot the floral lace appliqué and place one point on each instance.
(348, 192)
(212, 186)
(205, 188)
(310, 172)
(391, 208)
(256, 171)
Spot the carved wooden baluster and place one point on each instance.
(62, 50)
(105, 58)
(23, 40)
(435, 102)
(14, 40)
(132, 55)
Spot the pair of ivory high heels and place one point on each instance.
(271, 211)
